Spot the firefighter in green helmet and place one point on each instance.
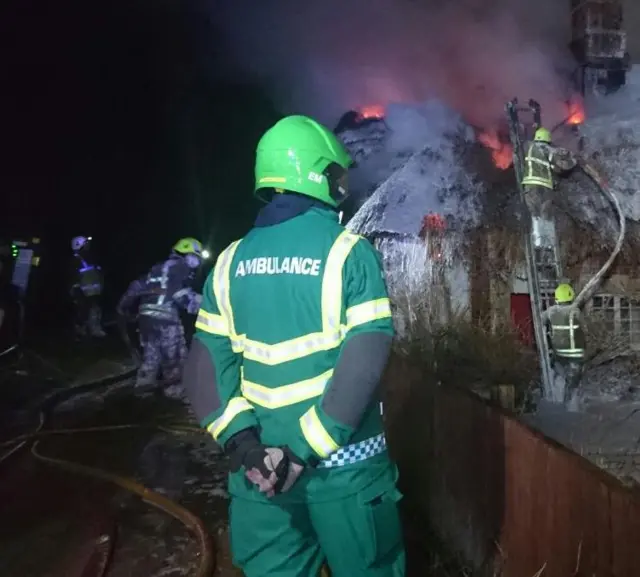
(292, 339)
(543, 162)
(567, 338)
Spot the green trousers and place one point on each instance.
(357, 536)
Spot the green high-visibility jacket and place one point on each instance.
(276, 311)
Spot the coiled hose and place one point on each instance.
(188, 519)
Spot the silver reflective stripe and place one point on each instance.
(285, 395)
(211, 323)
(574, 353)
(163, 282)
(180, 293)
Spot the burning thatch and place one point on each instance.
(427, 160)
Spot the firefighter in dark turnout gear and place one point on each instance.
(543, 162)
(567, 338)
(159, 297)
(86, 290)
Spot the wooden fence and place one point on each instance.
(510, 501)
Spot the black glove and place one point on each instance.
(272, 469)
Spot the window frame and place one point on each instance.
(624, 322)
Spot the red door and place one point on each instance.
(522, 318)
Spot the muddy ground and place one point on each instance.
(53, 519)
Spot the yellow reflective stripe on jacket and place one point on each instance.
(290, 350)
(331, 335)
(530, 178)
(235, 406)
(368, 312)
(285, 395)
(211, 323)
(316, 435)
(221, 292)
(332, 282)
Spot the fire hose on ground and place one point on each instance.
(194, 524)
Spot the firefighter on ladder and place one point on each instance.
(543, 162)
(567, 338)
(292, 339)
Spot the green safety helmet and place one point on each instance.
(188, 245)
(565, 293)
(300, 155)
(542, 135)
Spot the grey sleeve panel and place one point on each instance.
(199, 381)
(356, 377)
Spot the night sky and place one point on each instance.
(116, 125)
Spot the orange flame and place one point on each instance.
(375, 111)
(576, 114)
(501, 152)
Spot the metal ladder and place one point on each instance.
(544, 269)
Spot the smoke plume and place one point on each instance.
(324, 58)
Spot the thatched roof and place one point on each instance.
(457, 179)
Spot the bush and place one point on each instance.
(468, 354)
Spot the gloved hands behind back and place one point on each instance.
(272, 470)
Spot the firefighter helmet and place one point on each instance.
(565, 293)
(301, 155)
(79, 242)
(188, 245)
(542, 135)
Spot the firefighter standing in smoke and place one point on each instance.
(292, 338)
(86, 289)
(160, 296)
(567, 338)
(542, 162)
